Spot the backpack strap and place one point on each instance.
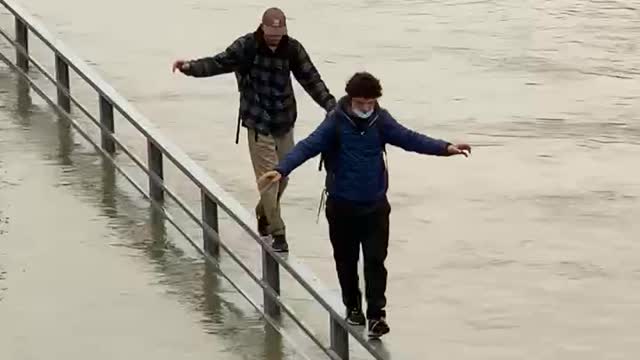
(242, 75)
(336, 140)
(337, 144)
(336, 147)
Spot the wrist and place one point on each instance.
(187, 66)
(447, 147)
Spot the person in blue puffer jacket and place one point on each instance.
(352, 141)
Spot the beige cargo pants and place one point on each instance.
(266, 151)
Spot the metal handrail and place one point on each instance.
(158, 206)
(212, 194)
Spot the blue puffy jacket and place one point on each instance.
(355, 165)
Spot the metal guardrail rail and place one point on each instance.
(160, 148)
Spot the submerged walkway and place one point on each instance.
(88, 271)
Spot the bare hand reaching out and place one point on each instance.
(459, 149)
(267, 179)
(181, 65)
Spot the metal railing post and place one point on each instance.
(62, 77)
(22, 38)
(106, 119)
(155, 168)
(271, 276)
(210, 218)
(339, 339)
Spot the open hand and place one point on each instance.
(181, 65)
(459, 149)
(267, 179)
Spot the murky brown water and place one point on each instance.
(525, 250)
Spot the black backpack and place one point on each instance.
(242, 73)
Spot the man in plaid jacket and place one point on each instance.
(262, 61)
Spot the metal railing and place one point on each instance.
(160, 149)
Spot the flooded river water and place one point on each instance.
(525, 250)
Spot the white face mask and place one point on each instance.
(362, 115)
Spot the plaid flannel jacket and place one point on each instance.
(267, 100)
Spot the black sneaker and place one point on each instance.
(355, 317)
(378, 327)
(279, 244)
(263, 226)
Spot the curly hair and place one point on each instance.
(363, 85)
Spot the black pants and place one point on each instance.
(349, 227)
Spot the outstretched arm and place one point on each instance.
(396, 134)
(225, 62)
(308, 76)
(318, 141)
